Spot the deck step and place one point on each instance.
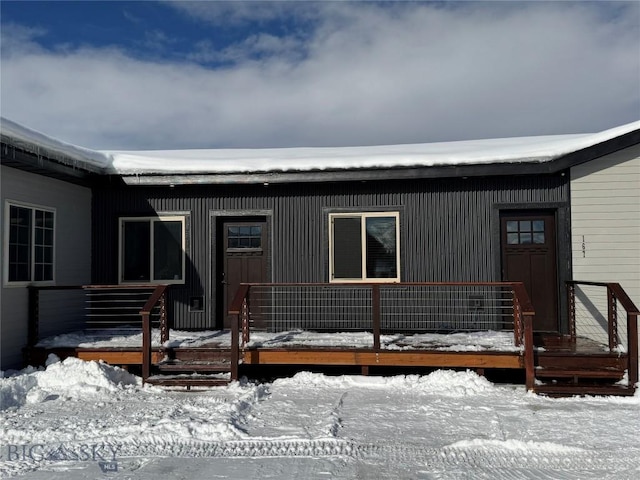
(194, 354)
(570, 390)
(600, 373)
(194, 366)
(604, 361)
(188, 380)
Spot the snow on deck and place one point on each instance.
(490, 340)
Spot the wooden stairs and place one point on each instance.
(563, 372)
(193, 367)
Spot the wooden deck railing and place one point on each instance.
(614, 295)
(378, 307)
(109, 305)
(158, 297)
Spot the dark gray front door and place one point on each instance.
(529, 255)
(244, 258)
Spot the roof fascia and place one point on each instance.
(15, 157)
(341, 175)
(596, 151)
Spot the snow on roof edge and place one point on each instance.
(538, 149)
(39, 143)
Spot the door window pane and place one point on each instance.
(525, 226)
(525, 232)
(249, 236)
(538, 237)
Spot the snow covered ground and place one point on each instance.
(87, 420)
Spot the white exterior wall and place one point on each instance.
(605, 224)
(72, 243)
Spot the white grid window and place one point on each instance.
(29, 240)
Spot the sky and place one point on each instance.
(150, 75)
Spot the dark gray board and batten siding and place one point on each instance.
(448, 227)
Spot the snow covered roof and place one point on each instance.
(537, 149)
(473, 152)
(40, 144)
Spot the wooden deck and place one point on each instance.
(582, 366)
(552, 364)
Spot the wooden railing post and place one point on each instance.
(375, 313)
(145, 313)
(33, 327)
(571, 306)
(529, 361)
(239, 310)
(612, 316)
(235, 347)
(632, 336)
(146, 345)
(525, 313)
(164, 325)
(245, 321)
(518, 328)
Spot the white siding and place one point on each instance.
(605, 224)
(72, 249)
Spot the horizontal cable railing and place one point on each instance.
(385, 308)
(604, 312)
(55, 310)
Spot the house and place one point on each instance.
(205, 221)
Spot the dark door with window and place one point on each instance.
(243, 258)
(528, 242)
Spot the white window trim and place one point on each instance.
(151, 281)
(7, 223)
(363, 231)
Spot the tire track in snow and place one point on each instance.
(490, 458)
(493, 457)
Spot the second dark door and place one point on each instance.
(244, 258)
(528, 242)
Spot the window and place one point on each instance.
(244, 237)
(521, 232)
(29, 252)
(152, 250)
(364, 247)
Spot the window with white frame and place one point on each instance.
(30, 233)
(364, 247)
(152, 249)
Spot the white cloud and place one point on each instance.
(245, 11)
(365, 75)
